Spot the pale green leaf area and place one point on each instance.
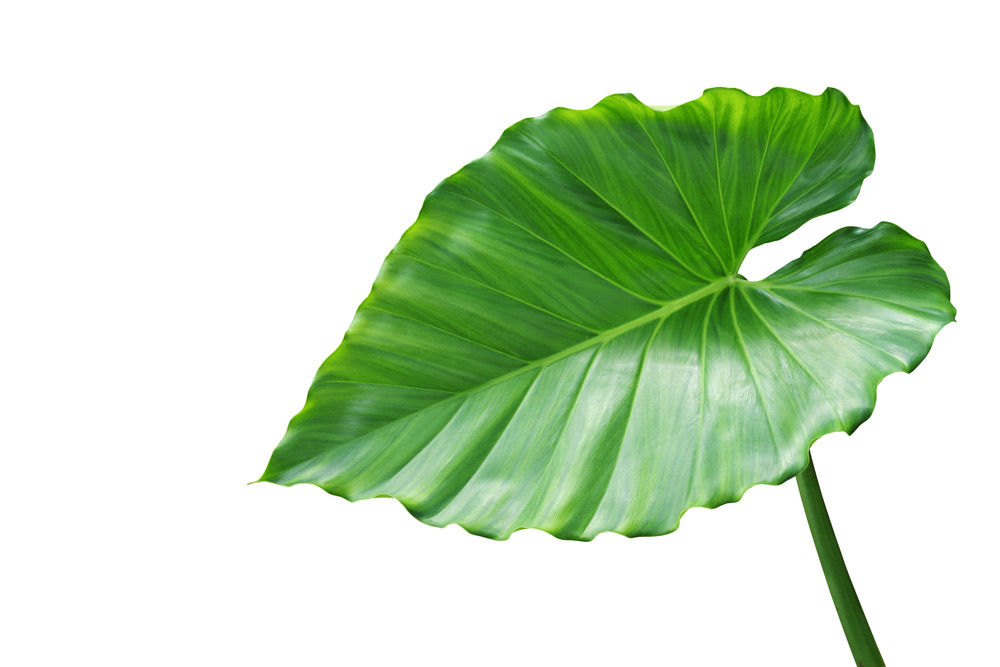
(562, 340)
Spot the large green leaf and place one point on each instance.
(561, 341)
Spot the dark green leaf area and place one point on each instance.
(561, 341)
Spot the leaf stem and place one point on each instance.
(852, 616)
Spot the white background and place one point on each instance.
(195, 196)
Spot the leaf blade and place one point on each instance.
(559, 341)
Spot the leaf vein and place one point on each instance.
(677, 185)
(557, 248)
(753, 373)
(501, 292)
(833, 327)
(444, 504)
(703, 359)
(450, 333)
(778, 199)
(795, 357)
(760, 170)
(865, 297)
(718, 179)
(539, 489)
(628, 422)
(819, 183)
(615, 208)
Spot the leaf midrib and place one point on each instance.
(667, 309)
(711, 289)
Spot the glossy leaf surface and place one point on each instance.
(561, 341)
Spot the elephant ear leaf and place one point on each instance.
(562, 340)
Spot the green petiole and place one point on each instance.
(852, 616)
